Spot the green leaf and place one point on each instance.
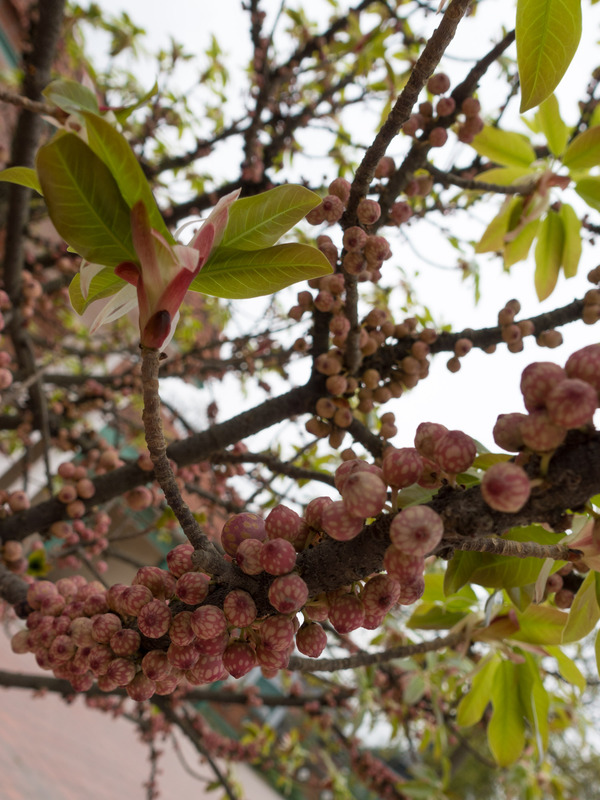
(572, 244)
(493, 236)
(473, 704)
(540, 625)
(242, 273)
(430, 616)
(71, 96)
(548, 254)
(534, 700)
(552, 125)
(589, 190)
(518, 248)
(506, 176)
(114, 150)
(260, 221)
(504, 147)
(584, 613)
(104, 284)
(506, 730)
(567, 668)
(23, 176)
(584, 150)
(84, 201)
(124, 112)
(547, 34)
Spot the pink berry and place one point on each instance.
(317, 610)
(341, 188)
(585, 365)
(239, 658)
(214, 646)
(271, 659)
(428, 433)
(364, 495)
(160, 582)
(540, 433)
(314, 511)
(572, 403)
(62, 649)
(247, 556)
(416, 530)
(239, 608)
(402, 467)
(438, 137)
(99, 658)
(277, 632)
(411, 591)
(454, 452)
(154, 619)
(402, 566)
(121, 671)
(311, 639)
(288, 593)
(505, 487)
(339, 524)
(333, 208)
(134, 598)
(240, 527)
(445, 106)
(192, 587)
(104, 625)
(125, 642)
(156, 665)
(140, 688)
(284, 523)
(208, 622)
(346, 612)
(400, 213)
(278, 556)
(354, 238)
(207, 669)
(368, 211)
(348, 468)
(438, 83)
(380, 594)
(507, 431)
(537, 380)
(179, 559)
(181, 631)
(182, 656)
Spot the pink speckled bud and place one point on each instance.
(214, 646)
(368, 211)
(314, 511)
(208, 621)
(192, 587)
(364, 495)
(271, 659)
(239, 658)
(160, 582)
(284, 523)
(506, 487)
(140, 688)
(103, 627)
(537, 380)
(181, 631)
(346, 612)
(179, 559)
(240, 527)
(416, 530)
(454, 452)
(121, 671)
(247, 556)
(572, 403)
(99, 658)
(156, 665)
(154, 619)
(239, 608)
(207, 669)
(339, 524)
(182, 656)
(380, 594)
(540, 433)
(125, 642)
(278, 556)
(311, 639)
(81, 631)
(585, 365)
(428, 433)
(507, 431)
(411, 591)
(62, 649)
(288, 593)
(134, 598)
(402, 566)
(403, 467)
(277, 632)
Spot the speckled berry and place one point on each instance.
(180, 631)
(311, 639)
(411, 591)
(215, 646)
(572, 403)
(239, 608)
(506, 487)
(402, 467)
(284, 523)
(277, 632)
(160, 582)
(154, 619)
(346, 612)
(314, 511)
(271, 659)
(380, 594)
(339, 524)
(537, 380)
(140, 688)
(156, 665)
(540, 433)
(507, 432)
(428, 433)
(62, 649)
(247, 556)
(402, 566)
(134, 598)
(416, 530)
(207, 669)
(585, 365)
(368, 211)
(364, 495)
(99, 658)
(125, 642)
(104, 625)
(192, 587)
(240, 527)
(454, 451)
(208, 621)
(121, 671)
(239, 658)
(179, 559)
(182, 656)
(288, 593)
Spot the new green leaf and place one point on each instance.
(506, 729)
(473, 704)
(548, 254)
(552, 125)
(104, 284)
(250, 273)
(22, 176)
(84, 201)
(71, 96)
(504, 147)
(547, 34)
(584, 150)
(572, 243)
(584, 613)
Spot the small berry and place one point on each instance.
(454, 452)
(208, 622)
(314, 511)
(192, 587)
(103, 627)
(585, 365)
(133, 599)
(240, 527)
(247, 556)
(154, 619)
(181, 631)
(402, 566)
(284, 523)
(438, 137)
(540, 433)
(427, 435)
(239, 608)
(278, 556)
(411, 591)
(339, 524)
(402, 467)
(507, 431)
(179, 559)
(506, 487)
(537, 380)
(140, 688)
(417, 530)
(288, 593)
(438, 83)
(572, 403)
(311, 639)
(121, 671)
(125, 642)
(277, 632)
(364, 495)
(239, 658)
(346, 612)
(380, 594)
(368, 211)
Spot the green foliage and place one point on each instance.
(547, 32)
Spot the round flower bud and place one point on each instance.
(506, 487)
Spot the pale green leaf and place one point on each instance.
(71, 96)
(567, 668)
(547, 34)
(506, 176)
(548, 254)
(584, 613)
(518, 248)
(552, 125)
(541, 625)
(572, 244)
(84, 201)
(506, 729)
(493, 237)
(260, 221)
(589, 190)
(584, 150)
(247, 273)
(504, 147)
(473, 704)
(534, 700)
(104, 284)
(114, 150)
(23, 176)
